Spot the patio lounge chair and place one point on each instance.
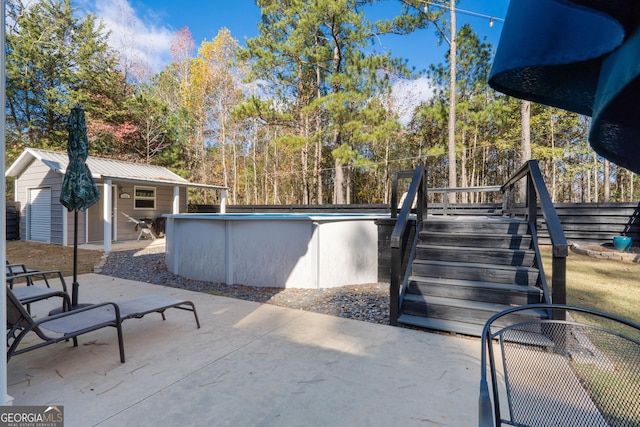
(15, 269)
(574, 367)
(59, 327)
(129, 308)
(29, 293)
(138, 307)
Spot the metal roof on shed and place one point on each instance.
(102, 168)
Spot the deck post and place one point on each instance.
(175, 206)
(223, 201)
(559, 278)
(532, 205)
(106, 211)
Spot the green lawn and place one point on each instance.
(604, 285)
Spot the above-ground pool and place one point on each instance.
(276, 250)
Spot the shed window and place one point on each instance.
(145, 198)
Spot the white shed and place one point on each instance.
(132, 190)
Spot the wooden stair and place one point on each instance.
(467, 269)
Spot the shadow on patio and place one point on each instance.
(249, 364)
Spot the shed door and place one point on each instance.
(39, 215)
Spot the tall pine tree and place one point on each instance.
(316, 55)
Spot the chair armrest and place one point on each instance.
(46, 276)
(14, 269)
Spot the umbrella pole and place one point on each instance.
(74, 288)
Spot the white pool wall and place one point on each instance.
(307, 251)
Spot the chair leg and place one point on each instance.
(120, 342)
(195, 314)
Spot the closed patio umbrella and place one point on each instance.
(79, 190)
(581, 56)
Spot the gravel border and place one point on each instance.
(367, 302)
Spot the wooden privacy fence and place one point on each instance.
(583, 223)
(595, 223)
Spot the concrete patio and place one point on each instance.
(250, 364)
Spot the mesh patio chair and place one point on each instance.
(60, 327)
(570, 367)
(27, 292)
(15, 269)
(138, 307)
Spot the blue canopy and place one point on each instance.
(582, 56)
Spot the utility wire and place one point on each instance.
(467, 12)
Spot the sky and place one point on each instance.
(147, 26)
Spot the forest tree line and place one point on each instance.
(303, 114)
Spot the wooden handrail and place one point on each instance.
(478, 189)
(399, 252)
(404, 174)
(560, 249)
(446, 191)
(418, 182)
(402, 251)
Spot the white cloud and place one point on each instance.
(408, 94)
(141, 43)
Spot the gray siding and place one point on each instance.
(38, 175)
(164, 205)
(70, 219)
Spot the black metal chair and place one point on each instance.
(59, 327)
(15, 269)
(557, 365)
(138, 307)
(27, 292)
